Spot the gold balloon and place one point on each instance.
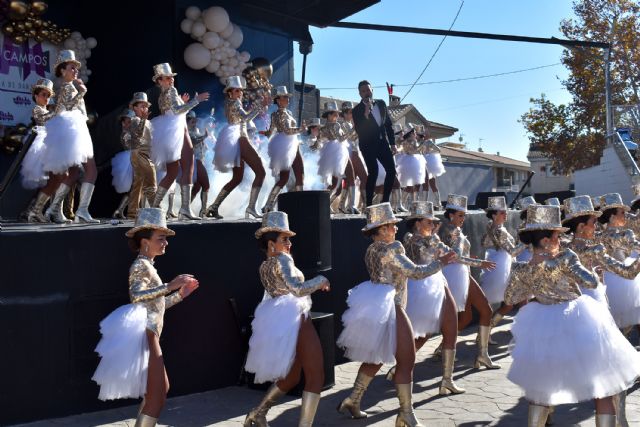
(18, 10)
(28, 25)
(39, 7)
(32, 33)
(19, 39)
(8, 29)
(38, 38)
(44, 33)
(20, 26)
(37, 23)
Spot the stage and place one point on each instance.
(59, 281)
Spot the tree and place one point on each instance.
(573, 135)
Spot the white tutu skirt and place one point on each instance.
(599, 294)
(434, 165)
(494, 283)
(122, 171)
(167, 138)
(624, 299)
(457, 276)
(369, 333)
(282, 151)
(124, 352)
(411, 169)
(226, 153)
(68, 142)
(424, 304)
(570, 352)
(272, 347)
(32, 172)
(334, 157)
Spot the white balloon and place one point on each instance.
(233, 62)
(211, 40)
(245, 56)
(196, 56)
(92, 42)
(198, 29)
(186, 25)
(87, 53)
(225, 44)
(223, 81)
(217, 56)
(227, 31)
(235, 39)
(213, 66)
(192, 12)
(70, 44)
(81, 44)
(216, 18)
(218, 72)
(76, 35)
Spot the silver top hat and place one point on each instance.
(553, 201)
(274, 221)
(578, 206)
(281, 91)
(66, 56)
(347, 105)
(409, 127)
(315, 121)
(162, 70)
(456, 202)
(235, 82)
(397, 128)
(139, 97)
(595, 201)
(330, 107)
(127, 113)
(379, 215)
(420, 130)
(150, 218)
(525, 202)
(542, 217)
(45, 84)
(497, 203)
(191, 114)
(612, 200)
(422, 210)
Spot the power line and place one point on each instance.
(434, 53)
(484, 76)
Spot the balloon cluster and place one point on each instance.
(22, 21)
(82, 48)
(217, 42)
(13, 137)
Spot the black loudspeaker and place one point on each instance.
(310, 218)
(482, 198)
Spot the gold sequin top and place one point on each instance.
(282, 122)
(498, 238)
(351, 135)
(428, 147)
(69, 98)
(619, 242)
(453, 237)
(40, 115)
(552, 281)
(145, 287)
(237, 115)
(332, 132)
(169, 100)
(592, 254)
(424, 250)
(387, 264)
(411, 147)
(140, 130)
(280, 276)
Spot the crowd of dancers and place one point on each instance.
(573, 273)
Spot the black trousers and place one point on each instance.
(372, 152)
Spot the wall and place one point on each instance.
(466, 179)
(541, 183)
(610, 176)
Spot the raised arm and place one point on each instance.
(177, 106)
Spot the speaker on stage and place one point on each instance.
(310, 218)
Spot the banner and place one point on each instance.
(20, 66)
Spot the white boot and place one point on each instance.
(185, 209)
(54, 212)
(82, 214)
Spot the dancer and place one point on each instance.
(171, 147)
(500, 248)
(68, 142)
(233, 148)
(411, 164)
(201, 177)
(464, 288)
(32, 172)
(283, 147)
(567, 348)
(430, 304)
(121, 169)
(284, 342)
(144, 171)
(131, 364)
(523, 204)
(376, 327)
(435, 167)
(396, 191)
(359, 168)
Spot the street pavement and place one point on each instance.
(490, 400)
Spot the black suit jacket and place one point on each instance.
(368, 131)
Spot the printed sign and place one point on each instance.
(20, 66)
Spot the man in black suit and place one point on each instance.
(376, 139)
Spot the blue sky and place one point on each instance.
(485, 108)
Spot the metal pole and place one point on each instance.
(513, 203)
(305, 49)
(607, 92)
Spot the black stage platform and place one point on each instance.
(58, 282)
